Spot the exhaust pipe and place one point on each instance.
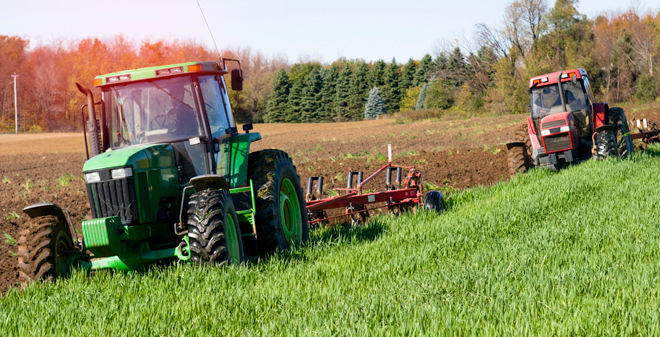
(92, 123)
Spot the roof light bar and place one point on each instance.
(120, 78)
(169, 71)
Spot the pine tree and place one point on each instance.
(421, 75)
(391, 92)
(278, 102)
(311, 106)
(375, 105)
(294, 111)
(407, 76)
(377, 73)
(358, 92)
(422, 97)
(342, 92)
(327, 94)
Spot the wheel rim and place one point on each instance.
(290, 213)
(232, 241)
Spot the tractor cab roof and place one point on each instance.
(551, 78)
(159, 72)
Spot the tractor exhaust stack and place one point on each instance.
(92, 123)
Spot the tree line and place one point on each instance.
(488, 72)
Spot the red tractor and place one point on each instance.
(567, 125)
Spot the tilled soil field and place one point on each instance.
(452, 155)
(29, 179)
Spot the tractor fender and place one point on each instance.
(48, 208)
(209, 181)
(600, 114)
(512, 145)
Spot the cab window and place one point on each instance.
(214, 105)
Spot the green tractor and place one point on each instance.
(169, 177)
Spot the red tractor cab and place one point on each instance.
(567, 125)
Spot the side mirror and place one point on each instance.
(236, 80)
(574, 80)
(247, 127)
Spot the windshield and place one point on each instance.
(546, 100)
(153, 111)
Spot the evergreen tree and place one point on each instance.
(421, 75)
(279, 99)
(327, 94)
(358, 92)
(422, 97)
(311, 106)
(375, 105)
(391, 92)
(407, 76)
(377, 74)
(457, 67)
(342, 92)
(294, 111)
(441, 62)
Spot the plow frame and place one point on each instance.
(410, 192)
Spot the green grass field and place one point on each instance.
(569, 253)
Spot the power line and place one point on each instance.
(207, 26)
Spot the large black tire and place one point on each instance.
(520, 158)
(625, 144)
(42, 249)
(605, 144)
(210, 213)
(271, 171)
(434, 202)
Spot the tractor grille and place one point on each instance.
(554, 124)
(114, 198)
(557, 142)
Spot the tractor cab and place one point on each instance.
(566, 124)
(184, 105)
(562, 113)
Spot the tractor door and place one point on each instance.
(221, 122)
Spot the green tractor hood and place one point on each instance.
(154, 177)
(138, 156)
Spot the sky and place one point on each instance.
(324, 30)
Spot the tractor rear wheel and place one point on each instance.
(281, 216)
(625, 144)
(43, 248)
(520, 158)
(605, 144)
(434, 202)
(213, 229)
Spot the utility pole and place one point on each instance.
(15, 103)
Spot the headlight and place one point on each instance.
(564, 129)
(122, 173)
(92, 177)
(545, 132)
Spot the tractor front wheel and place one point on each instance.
(605, 142)
(44, 246)
(622, 131)
(281, 216)
(213, 229)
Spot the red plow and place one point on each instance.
(407, 196)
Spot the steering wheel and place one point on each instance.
(159, 121)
